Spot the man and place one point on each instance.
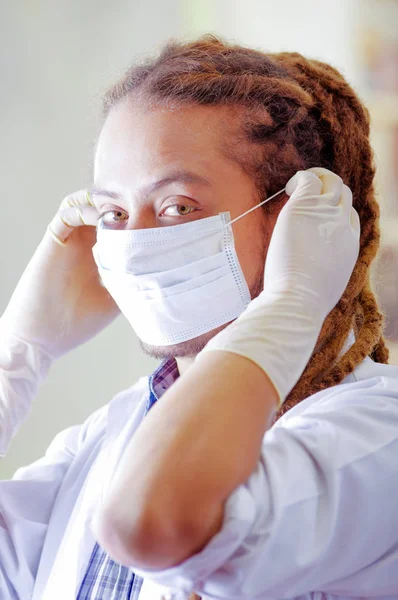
(204, 494)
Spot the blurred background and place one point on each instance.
(57, 59)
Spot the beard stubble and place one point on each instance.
(191, 348)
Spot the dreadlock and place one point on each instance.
(294, 113)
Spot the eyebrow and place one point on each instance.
(177, 177)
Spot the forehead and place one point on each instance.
(139, 139)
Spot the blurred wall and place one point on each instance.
(318, 29)
(57, 59)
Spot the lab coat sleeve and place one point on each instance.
(26, 504)
(22, 368)
(27, 500)
(320, 511)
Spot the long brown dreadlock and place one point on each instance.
(294, 114)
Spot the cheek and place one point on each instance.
(251, 243)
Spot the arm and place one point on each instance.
(44, 319)
(193, 469)
(22, 368)
(58, 304)
(26, 504)
(22, 531)
(319, 512)
(26, 501)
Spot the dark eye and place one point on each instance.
(178, 210)
(113, 218)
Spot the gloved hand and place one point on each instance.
(59, 302)
(312, 253)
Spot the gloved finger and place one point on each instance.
(304, 183)
(355, 222)
(79, 198)
(66, 220)
(346, 200)
(332, 184)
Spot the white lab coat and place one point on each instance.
(317, 519)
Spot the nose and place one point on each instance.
(142, 217)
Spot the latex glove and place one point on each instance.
(312, 253)
(59, 302)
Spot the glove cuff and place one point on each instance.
(277, 333)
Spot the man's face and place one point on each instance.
(156, 168)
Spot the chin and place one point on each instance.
(188, 349)
(191, 348)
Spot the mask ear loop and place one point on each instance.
(255, 207)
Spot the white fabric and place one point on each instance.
(22, 368)
(310, 258)
(317, 519)
(173, 283)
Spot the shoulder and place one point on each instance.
(123, 406)
(370, 383)
(107, 419)
(354, 419)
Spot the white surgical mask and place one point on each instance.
(174, 283)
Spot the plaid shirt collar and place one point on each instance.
(162, 378)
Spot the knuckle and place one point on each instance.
(74, 199)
